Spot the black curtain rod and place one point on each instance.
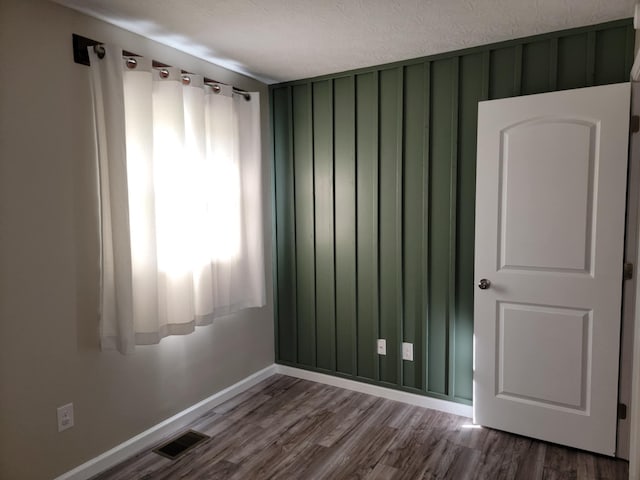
(81, 56)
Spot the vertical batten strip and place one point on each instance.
(313, 203)
(274, 231)
(355, 350)
(376, 219)
(486, 74)
(453, 201)
(553, 64)
(517, 71)
(400, 222)
(332, 94)
(591, 59)
(292, 162)
(426, 165)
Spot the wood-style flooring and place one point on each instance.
(286, 428)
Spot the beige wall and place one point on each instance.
(49, 351)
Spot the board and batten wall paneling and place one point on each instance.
(375, 201)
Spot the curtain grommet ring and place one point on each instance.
(100, 51)
(164, 73)
(186, 80)
(216, 88)
(131, 63)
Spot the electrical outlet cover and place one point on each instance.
(407, 351)
(65, 417)
(382, 346)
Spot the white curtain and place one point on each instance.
(180, 200)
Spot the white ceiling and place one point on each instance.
(279, 40)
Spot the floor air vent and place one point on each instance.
(180, 445)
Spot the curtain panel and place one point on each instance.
(180, 198)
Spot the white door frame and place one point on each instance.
(631, 307)
(629, 286)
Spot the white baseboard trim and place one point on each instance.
(155, 434)
(389, 393)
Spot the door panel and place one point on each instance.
(550, 204)
(547, 166)
(553, 376)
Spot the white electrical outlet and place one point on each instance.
(65, 417)
(407, 351)
(382, 346)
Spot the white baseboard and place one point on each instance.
(389, 393)
(155, 434)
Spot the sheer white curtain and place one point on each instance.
(180, 200)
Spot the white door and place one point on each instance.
(550, 210)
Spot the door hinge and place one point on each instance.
(634, 124)
(622, 411)
(627, 271)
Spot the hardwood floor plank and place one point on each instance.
(296, 426)
(347, 420)
(552, 474)
(464, 464)
(341, 453)
(312, 459)
(439, 462)
(140, 466)
(531, 464)
(400, 416)
(279, 457)
(586, 466)
(220, 470)
(607, 467)
(495, 467)
(290, 429)
(560, 459)
(383, 472)
(471, 436)
(411, 445)
(360, 460)
(280, 415)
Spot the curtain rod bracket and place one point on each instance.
(80, 45)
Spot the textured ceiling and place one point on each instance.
(278, 40)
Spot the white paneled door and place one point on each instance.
(550, 212)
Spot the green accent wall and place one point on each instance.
(374, 193)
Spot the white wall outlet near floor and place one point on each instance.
(407, 351)
(382, 346)
(65, 417)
